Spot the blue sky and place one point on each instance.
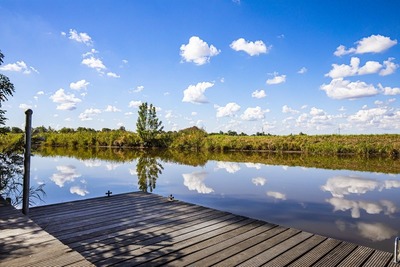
(317, 67)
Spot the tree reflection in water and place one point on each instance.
(11, 177)
(148, 169)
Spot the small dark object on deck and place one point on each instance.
(171, 197)
(8, 199)
(108, 193)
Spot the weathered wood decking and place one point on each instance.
(24, 243)
(148, 230)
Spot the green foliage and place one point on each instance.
(189, 139)
(148, 169)
(147, 125)
(6, 90)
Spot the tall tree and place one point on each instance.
(6, 90)
(148, 125)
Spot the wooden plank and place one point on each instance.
(317, 253)
(357, 257)
(336, 255)
(289, 256)
(276, 250)
(379, 258)
(223, 246)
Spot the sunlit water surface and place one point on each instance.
(359, 207)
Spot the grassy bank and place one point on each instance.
(194, 139)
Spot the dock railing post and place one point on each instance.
(396, 250)
(27, 162)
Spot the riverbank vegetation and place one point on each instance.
(195, 139)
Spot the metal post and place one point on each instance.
(396, 250)
(27, 162)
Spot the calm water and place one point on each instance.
(360, 207)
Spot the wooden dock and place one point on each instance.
(24, 243)
(140, 229)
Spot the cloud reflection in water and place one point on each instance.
(195, 181)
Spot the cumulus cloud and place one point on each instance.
(88, 114)
(344, 89)
(19, 66)
(228, 111)
(355, 207)
(276, 195)
(390, 67)
(110, 108)
(371, 44)
(78, 190)
(65, 101)
(252, 48)
(81, 37)
(135, 104)
(258, 94)
(195, 181)
(138, 89)
(195, 93)
(228, 166)
(302, 70)
(94, 63)
(253, 165)
(376, 231)
(287, 109)
(277, 79)
(253, 114)
(198, 51)
(65, 173)
(370, 67)
(113, 75)
(259, 181)
(82, 84)
(339, 186)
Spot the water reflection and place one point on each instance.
(147, 170)
(355, 206)
(195, 181)
(66, 173)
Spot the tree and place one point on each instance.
(6, 90)
(147, 125)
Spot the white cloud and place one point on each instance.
(339, 186)
(376, 231)
(258, 94)
(228, 111)
(253, 165)
(228, 166)
(198, 51)
(277, 79)
(317, 112)
(390, 67)
(113, 75)
(370, 67)
(252, 48)
(252, 114)
(195, 93)
(88, 114)
(94, 63)
(302, 70)
(195, 181)
(65, 101)
(78, 190)
(259, 181)
(25, 106)
(81, 37)
(371, 44)
(344, 89)
(19, 66)
(82, 84)
(287, 109)
(276, 195)
(389, 90)
(138, 89)
(135, 104)
(356, 206)
(66, 173)
(112, 109)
